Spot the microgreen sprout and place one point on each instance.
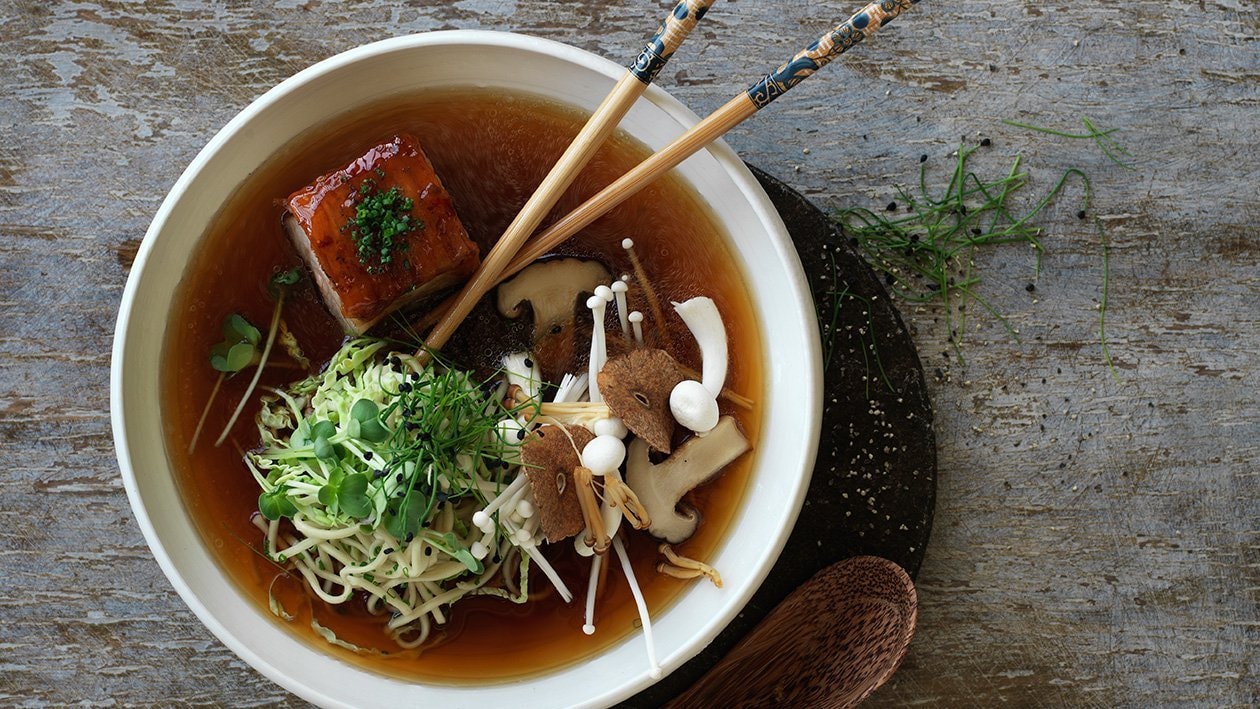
(278, 285)
(238, 350)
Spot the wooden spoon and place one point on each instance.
(830, 644)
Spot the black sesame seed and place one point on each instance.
(520, 434)
(976, 231)
(923, 158)
(398, 478)
(556, 329)
(892, 207)
(367, 455)
(986, 142)
(389, 550)
(428, 551)
(529, 363)
(496, 559)
(1030, 287)
(1080, 214)
(888, 279)
(410, 536)
(404, 387)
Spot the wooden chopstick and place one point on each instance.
(677, 25)
(837, 41)
(862, 24)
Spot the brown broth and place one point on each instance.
(490, 151)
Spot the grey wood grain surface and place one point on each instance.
(1097, 538)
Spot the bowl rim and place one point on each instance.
(733, 168)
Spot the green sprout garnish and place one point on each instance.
(238, 350)
(381, 220)
(275, 504)
(239, 347)
(346, 493)
(282, 280)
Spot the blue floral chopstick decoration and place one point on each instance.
(678, 24)
(865, 23)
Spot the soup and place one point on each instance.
(490, 165)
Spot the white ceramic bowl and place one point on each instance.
(791, 419)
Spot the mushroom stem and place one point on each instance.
(619, 289)
(591, 586)
(639, 603)
(571, 388)
(636, 321)
(550, 572)
(522, 372)
(728, 393)
(681, 567)
(662, 332)
(599, 348)
(618, 494)
(705, 322)
(596, 536)
(660, 487)
(483, 519)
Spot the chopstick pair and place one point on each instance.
(515, 250)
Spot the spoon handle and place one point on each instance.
(862, 24)
(828, 645)
(678, 23)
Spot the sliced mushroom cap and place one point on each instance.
(551, 288)
(636, 386)
(549, 458)
(660, 487)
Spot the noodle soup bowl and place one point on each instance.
(758, 241)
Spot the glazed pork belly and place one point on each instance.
(380, 234)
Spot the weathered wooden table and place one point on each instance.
(1096, 538)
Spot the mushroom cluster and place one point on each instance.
(588, 450)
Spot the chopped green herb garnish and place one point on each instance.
(926, 253)
(381, 220)
(1101, 138)
(925, 242)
